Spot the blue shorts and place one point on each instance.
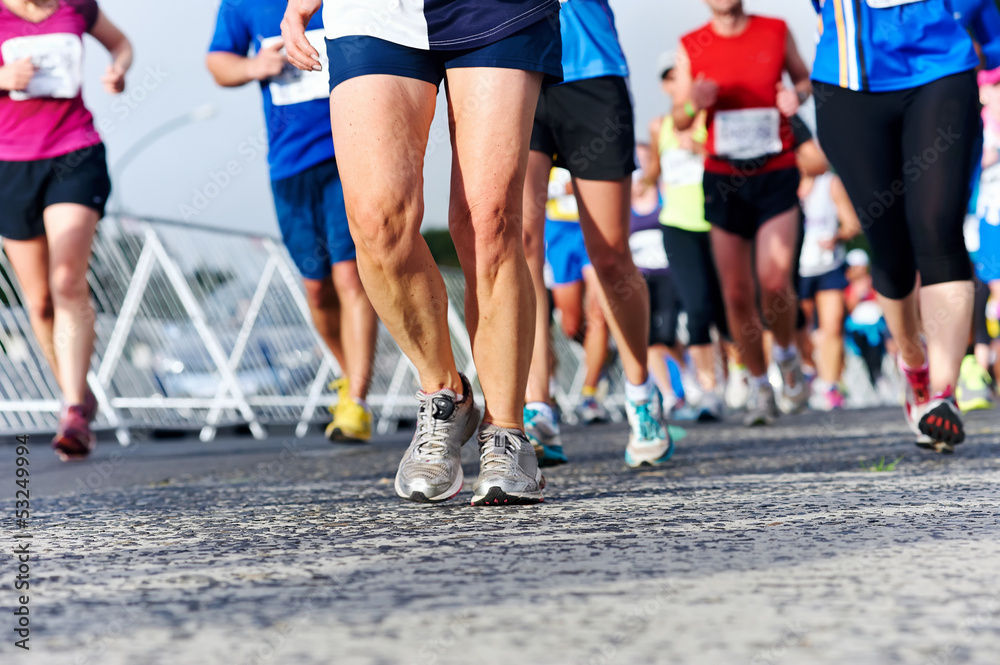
(988, 256)
(536, 48)
(565, 251)
(835, 280)
(313, 220)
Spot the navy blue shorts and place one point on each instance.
(835, 280)
(536, 48)
(313, 220)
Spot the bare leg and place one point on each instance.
(30, 260)
(804, 336)
(947, 311)
(568, 299)
(734, 252)
(358, 327)
(70, 229)
(776, 245)
(490, 148)
(605, 209)
(902, 317)
(383, 191)
(831, 345)
(703, 359)
(325, 309)
(535, 197)
(657, 364)
(595, 340)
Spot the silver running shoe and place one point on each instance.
(761, 409)
(431, 469)
(508, 469)
(795, 389)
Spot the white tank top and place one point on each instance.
(821, 224)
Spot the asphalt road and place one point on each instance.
(754, 546)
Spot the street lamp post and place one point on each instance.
(198, 114)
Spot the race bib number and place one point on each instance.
(747, 133)
(885, 4)
(648, 251)
(294, 86)
(681, 167)
(58, 61)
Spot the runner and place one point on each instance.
(308, 195)
(587, 126)
(574, 295)
(751, 182)
(830, 221)
(54, 185)
(678, 162)
(385, 68)
(865, 331)
(898, 121)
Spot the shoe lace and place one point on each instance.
(497, 456)
(431, 440)
(644, 418)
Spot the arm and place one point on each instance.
(120, 49)
(17, 75)
(293, 29)
(986, 29)
(231, 70)
(810, 159)
(788, 101)
(652, 176)
(693, 95)
(850, 225)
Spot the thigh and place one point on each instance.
(776, 244)
(380, 127)
(70, 229)
(736, 253)
(862, 136)
(940, 128)
(490, 113)
(605, 209)
(30, 261)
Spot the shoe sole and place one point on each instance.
(662, 459)
(495, 496)
(420, 497)
(69, 450)
(337, 435)
(941, 430)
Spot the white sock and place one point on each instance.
(641, 393)
(543, 408)
(783, 354)
(760, 381)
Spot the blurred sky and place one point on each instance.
(184, 174)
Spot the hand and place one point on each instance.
(17, 75)
(114, 79)
(704, 92)
(293, 30)
(787, 101)
(268, 62)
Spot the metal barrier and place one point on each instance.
(200, 327)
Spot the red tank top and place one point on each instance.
(748, 68)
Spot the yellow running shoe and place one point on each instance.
(975, 389)
(352, 422)
(342, 386)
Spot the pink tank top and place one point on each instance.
(48, 119)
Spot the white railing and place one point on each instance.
(204, 328)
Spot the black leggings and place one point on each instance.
(693, 269)
(905, 159)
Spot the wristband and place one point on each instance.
(690, 110)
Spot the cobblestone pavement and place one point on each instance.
(763, 546)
